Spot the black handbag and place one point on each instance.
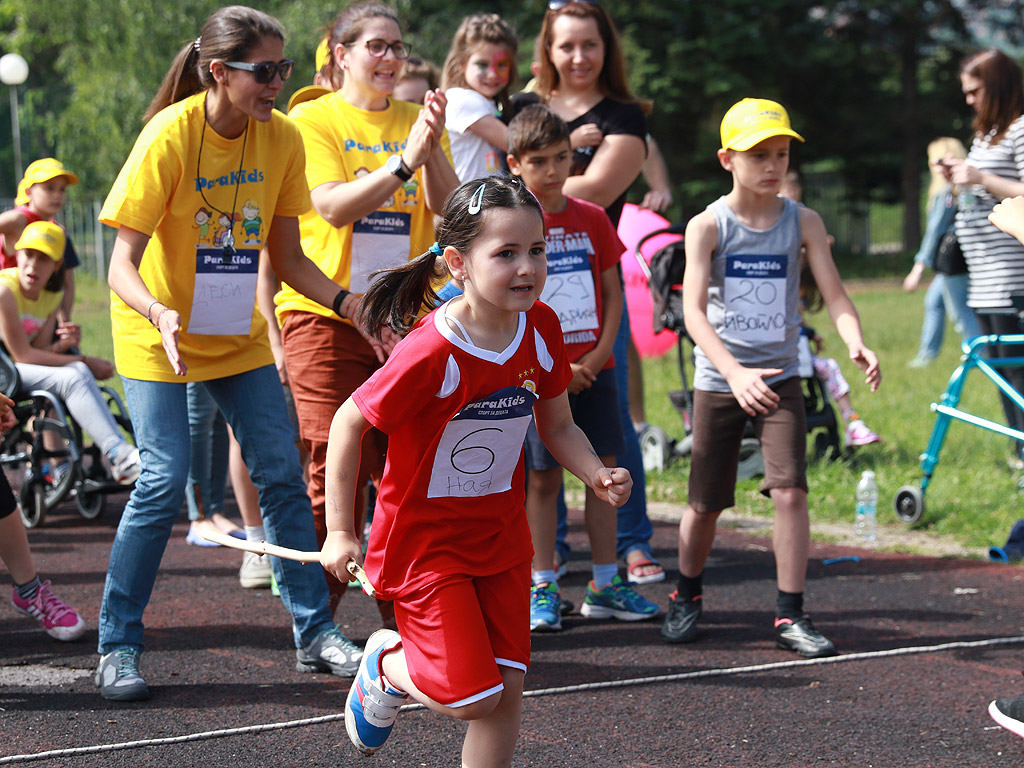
(949, 259)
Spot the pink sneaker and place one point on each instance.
(60, 620)
(857, 433)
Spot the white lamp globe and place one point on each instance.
(13, 69)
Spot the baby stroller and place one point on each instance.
(665, 279)
(909, 500)
(47, 440)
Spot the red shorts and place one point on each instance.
(457, 632)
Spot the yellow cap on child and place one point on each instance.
(43, 236)
(751, 121)
(42, 170)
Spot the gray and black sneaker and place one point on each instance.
(680, 624)
(802, 638)
(118, 678)
(1009, 713)
(330, 652)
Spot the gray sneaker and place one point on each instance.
(255, 572)
(330, 652)
(118, 678)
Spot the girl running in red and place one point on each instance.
(450, 542)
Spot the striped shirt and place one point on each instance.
(995, 261)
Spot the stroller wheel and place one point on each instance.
(654, 448)
(33, 504)
(909, 503)
(751, 460)
(90, 504)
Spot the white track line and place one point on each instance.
(702, 673)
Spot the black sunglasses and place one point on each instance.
(557, 5)
(265, 71)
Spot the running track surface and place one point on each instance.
(218, 657)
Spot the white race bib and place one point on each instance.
(225, 292)
(755, 297)
(379, 241)
(569, 290)
(480, 448)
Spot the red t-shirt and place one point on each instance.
(581, 244)
(452, 497)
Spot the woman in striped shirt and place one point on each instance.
(993, 170)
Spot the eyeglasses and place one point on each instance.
(557, 5)
(379, 48)
(265, 71)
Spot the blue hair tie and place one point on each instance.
(436, 249)
(477, 200)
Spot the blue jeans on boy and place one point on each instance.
(253, 404)
(208, 467)
(634, 528)
(947, 295)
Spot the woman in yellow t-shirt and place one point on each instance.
(215, 176)
(378, 169)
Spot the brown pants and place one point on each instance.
(327, 360)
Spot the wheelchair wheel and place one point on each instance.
(751, 460)
(909, 504)
(90, 505)
(654, 448)
(33, 504)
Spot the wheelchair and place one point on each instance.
(46, 437)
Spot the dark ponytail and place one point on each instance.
(228, 35)
(397, 295)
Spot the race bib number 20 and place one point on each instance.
(755, 297)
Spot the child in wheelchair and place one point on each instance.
(45, 352)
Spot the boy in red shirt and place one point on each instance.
(585, 290)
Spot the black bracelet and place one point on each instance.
(338, 300)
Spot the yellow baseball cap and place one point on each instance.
(43, 236)
(751, 121)
(323, 54)
(309, 93)
(42, 170)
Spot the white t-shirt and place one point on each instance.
(472, 156)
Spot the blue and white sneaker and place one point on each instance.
(118, 678)
(618, 600)
(545, 608)
(373, 705)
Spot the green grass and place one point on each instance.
(972, 497)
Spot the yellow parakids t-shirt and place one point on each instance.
(342, 144)
(33, 312)
(185, 203)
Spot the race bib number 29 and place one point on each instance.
(480, 448)
(755, 297)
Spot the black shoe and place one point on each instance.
(1009, 713)
(680, 624)
(801, 637)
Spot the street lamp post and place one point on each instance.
(14, 72)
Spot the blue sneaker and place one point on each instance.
(619, 601)
(372, 705)
(545, 608)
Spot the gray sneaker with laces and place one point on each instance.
(118, 678)
(330, 652)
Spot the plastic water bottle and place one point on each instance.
(867, 507)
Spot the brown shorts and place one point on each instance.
(718, 426)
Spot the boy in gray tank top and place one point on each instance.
(741, 303)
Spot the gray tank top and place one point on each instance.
(754, 295)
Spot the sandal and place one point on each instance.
(633, 571)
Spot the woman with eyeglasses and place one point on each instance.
(213, 158)
(993, 85)
(581, 75)
(378, 169)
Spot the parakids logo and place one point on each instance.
(391, 147)
(758, 266)
(230, 180)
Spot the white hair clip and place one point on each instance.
(196, 43)
(477, 200)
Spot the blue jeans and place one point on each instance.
(634, 530)
(208, 468)
(947, 294)
(253, 404)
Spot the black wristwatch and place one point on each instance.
(397, 167)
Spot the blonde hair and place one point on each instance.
(939, 149)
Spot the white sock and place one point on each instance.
(603, 574)
(255, 533)
(544, 577)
